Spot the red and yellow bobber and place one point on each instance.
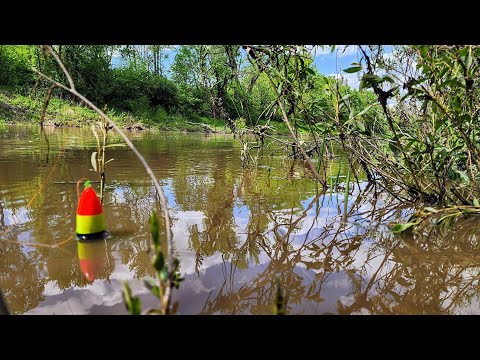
(90, 216)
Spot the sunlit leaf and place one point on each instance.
(468, 58)
(398, 228)
(93, 160)
(353, 69)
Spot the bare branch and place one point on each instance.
(163, 201)
(45, 103)
(67, 74)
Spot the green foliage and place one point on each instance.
(164, 278)
(398, 228)
(132, 303)
(15, 64)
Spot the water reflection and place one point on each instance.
(93, 258)
(236, 231)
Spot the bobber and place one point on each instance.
(92, 258)
(90, 216)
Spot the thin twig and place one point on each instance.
(48, 50)
(163, 201)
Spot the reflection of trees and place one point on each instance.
(304, 244)
(19, 279)
(434, 272)
(261, 193)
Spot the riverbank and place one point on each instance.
(20, 109)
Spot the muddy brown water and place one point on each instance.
(236, 232)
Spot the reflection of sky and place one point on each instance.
(104, 296)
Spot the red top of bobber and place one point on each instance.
(89, 204)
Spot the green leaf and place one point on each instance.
(364, 111)
(159, 262)
(132, 303)
(368, 80)
(430, 209)
(443, 218)
(136, 306)
(93, 160)
(464, 178)
(476, 202)
(468, 58)
(360, 125)
(163, 275)
(398, 228)
(353, 69)
(424, 52)
(387, 78)
(154, 288)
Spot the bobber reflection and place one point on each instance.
(92, 256)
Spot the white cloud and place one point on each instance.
(341, 50)
(170, 48)
(351, 79)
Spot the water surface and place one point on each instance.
(236, 232)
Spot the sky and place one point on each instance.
(326, 62)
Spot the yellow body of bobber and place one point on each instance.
(90, 216)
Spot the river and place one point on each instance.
(237, 232)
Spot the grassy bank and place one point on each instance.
(20, 109)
